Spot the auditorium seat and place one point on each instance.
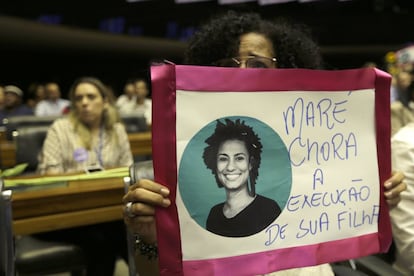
(29, 256)
(134, 123)
(11, 124)
(29, 143)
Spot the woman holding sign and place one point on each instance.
(233, 156)
(236, 40)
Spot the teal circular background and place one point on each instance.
(197, 184)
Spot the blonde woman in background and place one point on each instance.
(90, 136)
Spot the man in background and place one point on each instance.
(13, 103)
(53, 105)
(127, 99)
(141, 105)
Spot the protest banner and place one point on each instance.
(320, 151)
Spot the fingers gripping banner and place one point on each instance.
(269, 169)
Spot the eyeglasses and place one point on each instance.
(249, 62)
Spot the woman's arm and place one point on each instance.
(145, 196)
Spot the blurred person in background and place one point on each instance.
(142, 105)
(402, 115)
(89, 137)
(402, 215)
(128, 97)
(13, 103)
(401, 66)
(53, 104)
(35, 93)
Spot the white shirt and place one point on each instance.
(402, 215)
(144, 109)
(124, 101)
(51, 108)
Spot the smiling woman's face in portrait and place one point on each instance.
(233, 164)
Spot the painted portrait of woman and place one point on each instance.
(233, 154)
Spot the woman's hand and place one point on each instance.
(393, 188)
(143, 197)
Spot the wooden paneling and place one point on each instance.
(77, 203)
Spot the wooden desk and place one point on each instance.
(7, 154)
(140, 145)
(79, 203)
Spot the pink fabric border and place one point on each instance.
(165, 167)
(200, 78)
(382, 116)
(261, 263)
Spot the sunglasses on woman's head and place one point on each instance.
(248, 62)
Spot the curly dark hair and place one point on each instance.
(233, 130)
(220, 37)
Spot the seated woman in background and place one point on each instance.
(91, 135)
